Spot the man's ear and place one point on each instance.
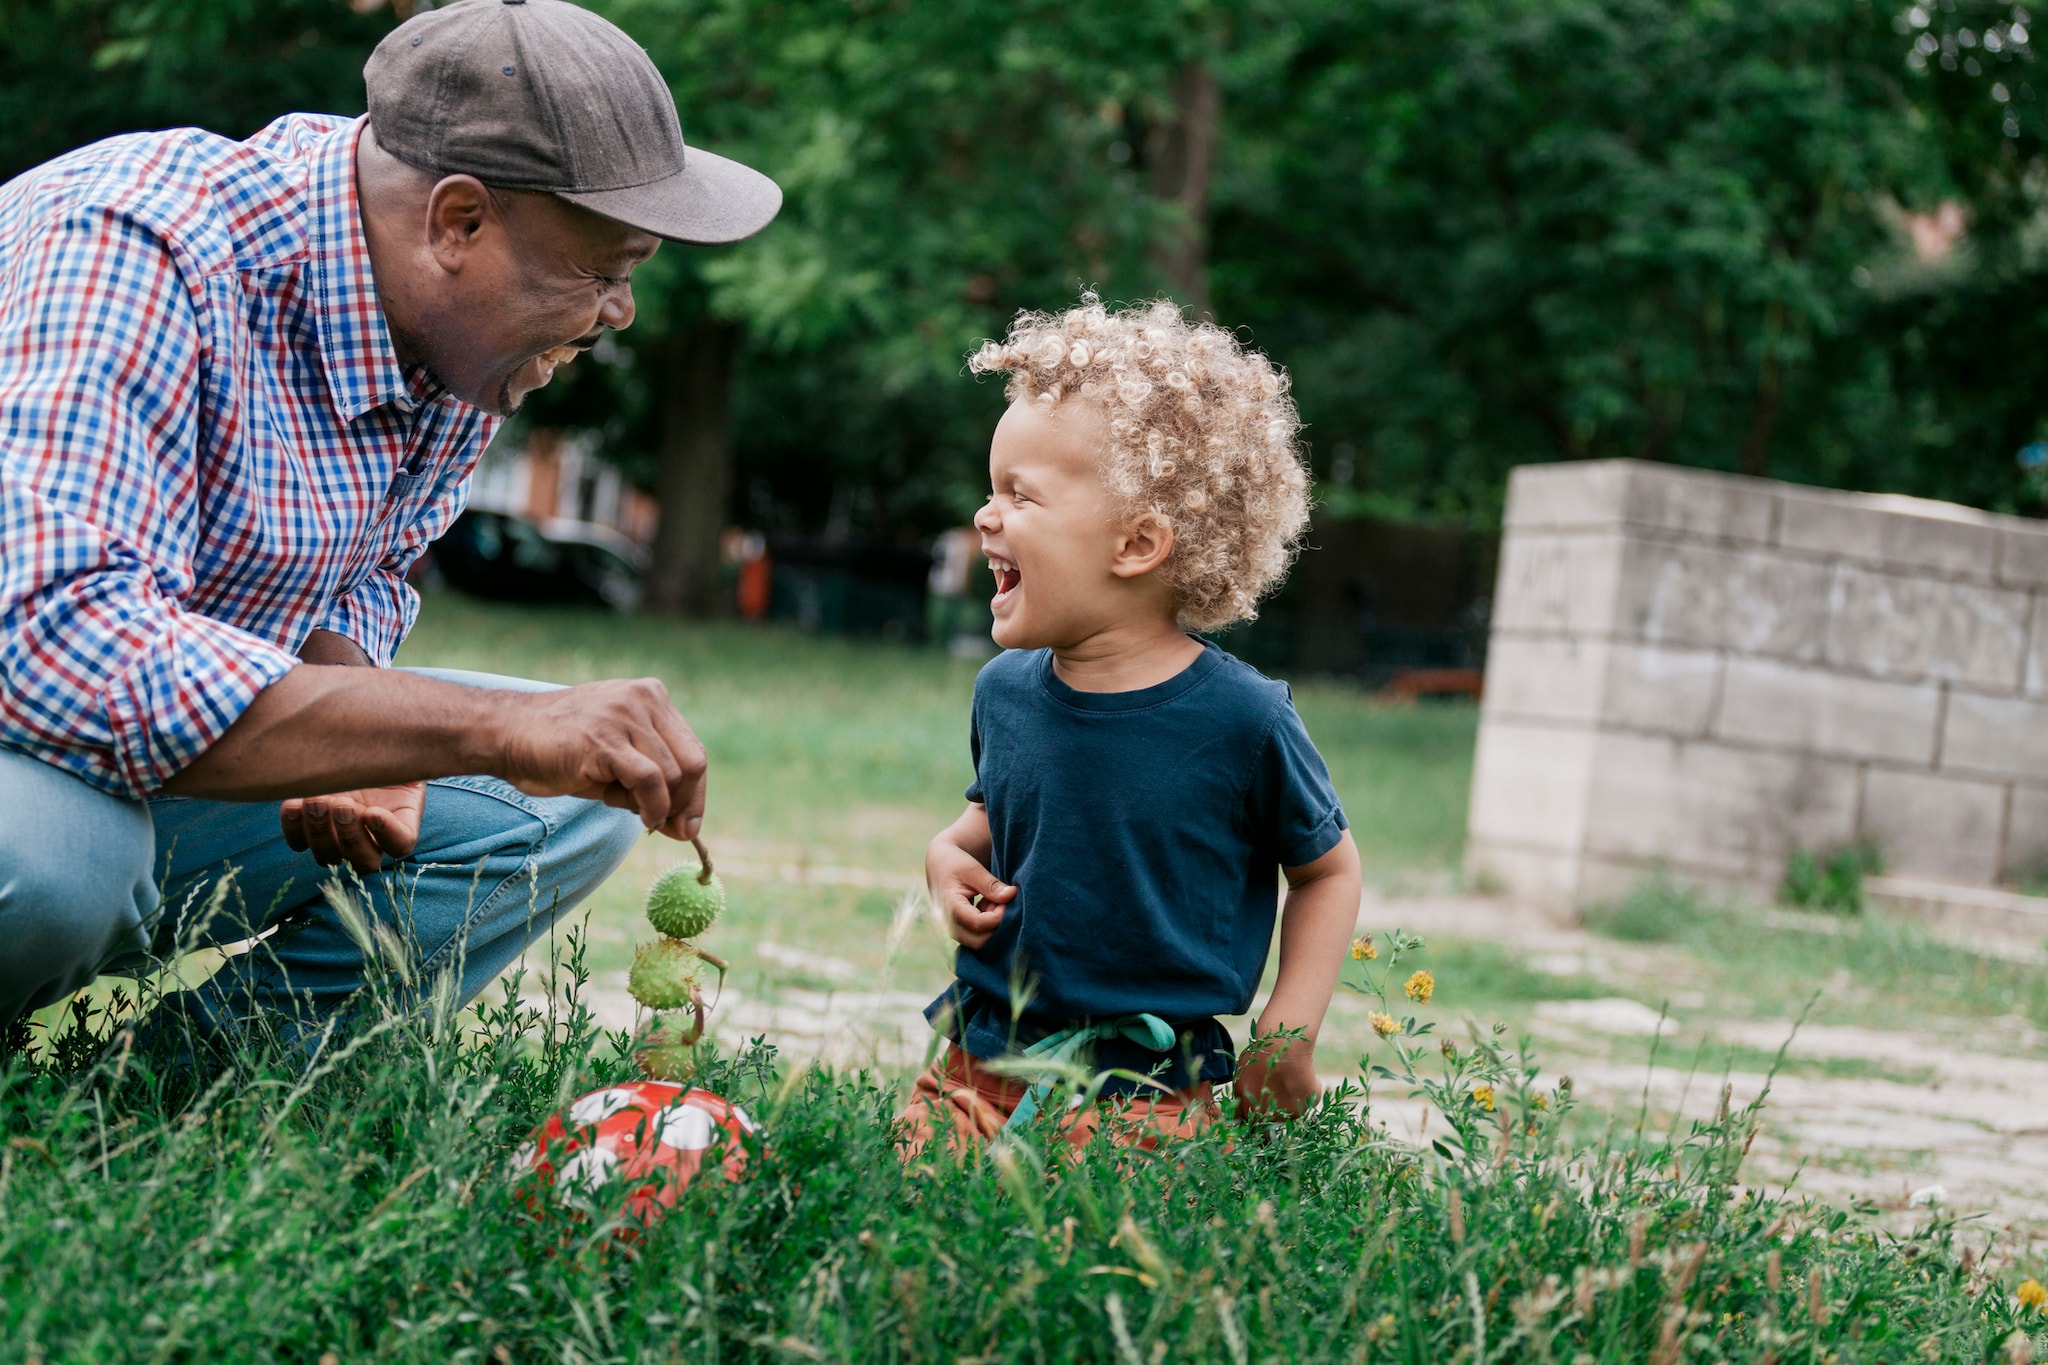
(1143, 546)
(457, 208)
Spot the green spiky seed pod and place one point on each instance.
(664, 1056)
(664, 974)
(681, 906)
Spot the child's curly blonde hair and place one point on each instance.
(1201, 437)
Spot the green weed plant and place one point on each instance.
(369, 1205)
(1832, 885)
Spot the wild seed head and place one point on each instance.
(1420, 987)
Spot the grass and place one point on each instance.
(1765, 963)
(370, 1210)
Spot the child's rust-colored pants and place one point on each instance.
(975, 1103)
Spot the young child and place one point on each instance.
(1111, 882)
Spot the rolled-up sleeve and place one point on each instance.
(105, 670)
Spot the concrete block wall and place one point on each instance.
(1700, 672)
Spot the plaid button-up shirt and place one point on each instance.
(208, 447)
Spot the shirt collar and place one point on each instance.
(355, 343)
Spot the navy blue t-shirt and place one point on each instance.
(1144, 832)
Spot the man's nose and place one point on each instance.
(617, 310)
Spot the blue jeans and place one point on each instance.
(91, 883)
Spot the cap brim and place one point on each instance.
(712, 200)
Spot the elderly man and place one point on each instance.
(242, 386)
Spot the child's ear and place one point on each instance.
(1142, 547)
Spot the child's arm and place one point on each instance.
(1315, 929)
(956, 871)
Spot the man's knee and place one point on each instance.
(77, 894)
(596, 839)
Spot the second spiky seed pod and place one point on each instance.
(665, 973)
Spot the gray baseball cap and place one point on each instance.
(544, 95)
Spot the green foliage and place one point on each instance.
(1479, 232)
(1833, 886)
(368, 1208)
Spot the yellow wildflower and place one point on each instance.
(1420, 987)
(1362, 949)
(1449, 1049)
(1482, 1095)
(1385, 1025)
(1541, 1102)
(2032, 1294)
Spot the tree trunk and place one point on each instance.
(1763, 413)
(1179, 156)
(694, 482)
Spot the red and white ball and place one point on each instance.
(636, 1147)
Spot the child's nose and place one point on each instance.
(985, 519)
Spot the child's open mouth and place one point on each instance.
(1007, 578)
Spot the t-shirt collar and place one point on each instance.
(1137, 700)
(355, 343)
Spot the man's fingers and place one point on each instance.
(395, 835)
(687, 782)
(291, 818)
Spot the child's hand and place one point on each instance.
(956, 878)
(1277, 1077)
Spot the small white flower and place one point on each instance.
(1928, 1196)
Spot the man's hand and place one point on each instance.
(956, 873)
(1277, 1076)
(361, 828)
(622, 743)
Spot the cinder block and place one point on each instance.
(1709, 807)
(1589, 493)
(1789, 706)
(2026, 838)
(1894, 626)
(1578, 493)
(1557, 677)
(1887, 529)
(1995, 736)
(1529, 785)
(1552, 584)
(2023, 553)
(1749, 601)
(1591, 682)
(1941, 827)
(1547, 880)
(1662, 688)
(1695, 502)
(2037, 649)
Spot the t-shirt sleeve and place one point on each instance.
(1292, 798)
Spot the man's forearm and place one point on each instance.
(319, 730)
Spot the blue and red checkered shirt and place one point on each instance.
(208, 447)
